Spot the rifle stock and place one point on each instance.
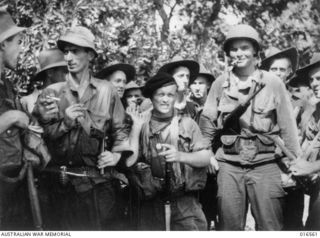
(34, 199)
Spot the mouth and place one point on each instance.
(71, 66)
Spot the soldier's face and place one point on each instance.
(77, 58)
(182, 77)
(243, 52)
(119, 80)
(315, 82)
(199, 87)
(164, 98)
(281, 68)
(133, 96)
(11, 49)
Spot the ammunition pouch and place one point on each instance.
(142, 180)
(196, 178)
(246, 147)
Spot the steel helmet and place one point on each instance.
(242, 31)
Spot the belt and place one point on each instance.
(83, 171)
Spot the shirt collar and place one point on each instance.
(93, 82)
(234, 80)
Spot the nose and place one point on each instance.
(68, 56)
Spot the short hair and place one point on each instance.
(281, 57)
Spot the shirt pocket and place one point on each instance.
(10, 148)
(185, 140)
(264, 115)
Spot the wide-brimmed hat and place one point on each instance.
(206, 73)
(275, 53)
(7, 27)
(178, 61)
(128, 69)
(132, 85)
(302, 75)
(79, 36)
(49, 59)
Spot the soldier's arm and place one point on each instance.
(210, 111)
(199, 153)
(286, 120)
(119, 133)
(13, 118)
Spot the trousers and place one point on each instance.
(259, 185)
(186, 215)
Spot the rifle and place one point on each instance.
(167, 202)
(34, 199)
(304, 182)
(232, 119)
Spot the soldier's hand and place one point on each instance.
(19, 118)
(107, 158)
(213, 167)
(301, 167)
(46, 106)
(170, 153)
(137, 117)
(72, 113)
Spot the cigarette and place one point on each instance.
(54, 98)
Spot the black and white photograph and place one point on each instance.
(159, 115)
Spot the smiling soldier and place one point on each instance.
(248, 170)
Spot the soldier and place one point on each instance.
(132, 95)
(284, 64)
(184, 72)
(248, 171)
(53, 69)
(309, 165)
(199, 89)
(85, 139)
(174, 172)
(118, 74)
(15, 211)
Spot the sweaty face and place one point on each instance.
(182, 77)
(199, 87)
(315, 82)
(164, 98)
(281, 68)
(133, 96)
(11, 50)
(243, 52)
(77, 58)
(119, 80)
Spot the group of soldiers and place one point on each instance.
(183, 152)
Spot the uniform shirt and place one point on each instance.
(189, 140)
(80, 145)
(311, 127)
(10, 142)
(272, 111)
